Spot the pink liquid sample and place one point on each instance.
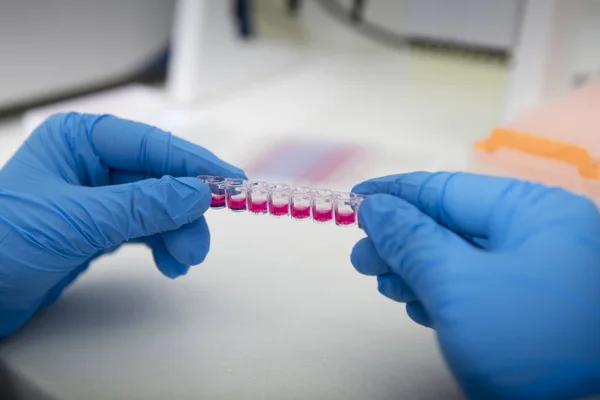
(217, 201)
(237, 204)
(300, 212)
(278, 210)
(345, 218)
(322, 215)
(257, 207)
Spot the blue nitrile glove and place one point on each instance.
(82, 185)
(507, 273)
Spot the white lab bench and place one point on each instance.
(276, 312)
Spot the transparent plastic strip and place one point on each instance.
(300, 203)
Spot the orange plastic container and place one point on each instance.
(557, 143)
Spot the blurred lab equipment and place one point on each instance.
(556, 142)
(478, 24)
(207, 56)
(60, 48)
(548, 42)
(549, 132)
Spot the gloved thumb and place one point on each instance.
(144, 208)
(414, 246)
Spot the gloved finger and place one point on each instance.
(189, 244)
(119, 177)
(118, 213)
(417, 313)
(476, 241)
(133, 146)
(366, 260)
(393, 287)
(411, 243)
(167, 265)
(461, 202)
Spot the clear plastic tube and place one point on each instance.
(300, 203)
(279, 200)
(357, 202)
(344, 209)
(235, 190)
(322, 206)
(217, 188)
(258, 195)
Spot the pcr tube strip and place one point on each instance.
(280, 200)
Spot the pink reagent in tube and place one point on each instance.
(344, 209)
(279, 200)
(257, 197)
(217, 188)
(322, 207)
(235, 191)
(300, 203)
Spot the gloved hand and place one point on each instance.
(506, 272)
(80, 186)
